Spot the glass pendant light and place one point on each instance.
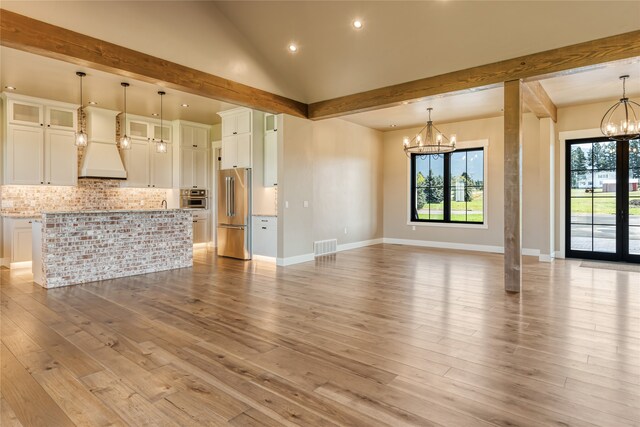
(125, 141)
(161, 146)
(81, 135)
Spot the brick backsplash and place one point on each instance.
(90, 194)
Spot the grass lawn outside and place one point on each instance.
(603, 203)
(474, 210)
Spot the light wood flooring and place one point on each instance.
(383, 335)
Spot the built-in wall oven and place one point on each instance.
(193, 199)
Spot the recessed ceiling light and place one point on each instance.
(392, 126)
(405, 102)
(10, 87)
(184, 105)
(293, 48)
(155, 114)
(93, 103)
(357, 24)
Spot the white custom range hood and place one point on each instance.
(101, 157)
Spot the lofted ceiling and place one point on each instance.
(246, 41)
(403, 41)
(47, 78)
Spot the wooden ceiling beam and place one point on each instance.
(30, 35)
(537, 65)
(537, 100)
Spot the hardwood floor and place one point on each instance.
(383, 335)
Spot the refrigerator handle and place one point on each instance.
(232, 196)
(227, 196)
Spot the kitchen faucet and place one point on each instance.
(163, 204)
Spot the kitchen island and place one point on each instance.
(87, 246)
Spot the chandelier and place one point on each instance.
(426, 143)
(620, 122)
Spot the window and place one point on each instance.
(448, 188)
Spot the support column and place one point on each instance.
(546, 181)
(512, 185)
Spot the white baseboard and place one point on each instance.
(361, 244)
(559, 254)
(294, 259)
(23, 264)
(445, 245)
(545, 258)
(264, 258)
(465, 247)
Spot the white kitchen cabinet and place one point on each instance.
(147, 129)
(236, 151)
(195, 155)
(161, 165)
(265, 235)
(40, 142)
(201, 227)
(195, 137)
(236, 121)
(194, 168)
(136, 162)
(61, 158)
(146, 168)
(17, 240)
(25, 155)
(237, 138)
(270, 159)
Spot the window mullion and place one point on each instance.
(447, 188)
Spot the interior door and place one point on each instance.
(603, 200)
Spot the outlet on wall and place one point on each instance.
(305, 204)
(345, 230)
(413, 228)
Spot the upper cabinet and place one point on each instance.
(236, 121)
(237, 136)
(145, 167)
(40, 142)
(194, 155)
(270, 161)
(147, 129)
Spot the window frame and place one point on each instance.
(461, 146)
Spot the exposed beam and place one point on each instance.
(537, 100)
(512, 185)
(30, 35)
(608, 49)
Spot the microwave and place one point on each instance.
(193, 199)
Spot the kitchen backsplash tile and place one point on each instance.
(90, 194)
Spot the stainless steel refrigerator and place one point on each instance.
(234, 213)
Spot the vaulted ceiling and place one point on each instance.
(246, 41)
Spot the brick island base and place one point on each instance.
(87, 246)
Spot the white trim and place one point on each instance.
(22, 264)
(545, 258)
(264, 258)
(483, 226)
(361, 244)
(564, 137)
(558, 255)
(461, 246)
(294, 259)
(445, 245)
(464, 145)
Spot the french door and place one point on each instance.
(603, 199)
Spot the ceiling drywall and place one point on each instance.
(403, 41)
(47, 78)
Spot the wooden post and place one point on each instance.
(512, 185)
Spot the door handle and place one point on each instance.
(226, 200)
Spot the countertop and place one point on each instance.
(29, 215)
(271, 215)
(113, 211)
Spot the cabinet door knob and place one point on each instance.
(48, 126)
(41, 124)
(235, 133)
(41, 182)
(195, 145)
(49, 182)
(195, 186)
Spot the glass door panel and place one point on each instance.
(603, 200)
